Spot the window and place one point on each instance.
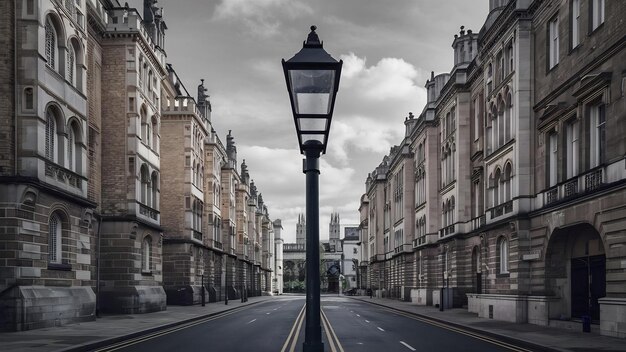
(146, 255)
(145, 184)
(575, 22)
(503, 249)
(476, 119)
(71, 139)
(51, 45)
(71, 65)
(572, 149)
(155, 190)
(597, 134)
(51, 132)
(477, 199)
(154, 134)
(143, 122)
(553, 40)
(596, 13)
(552, 159)
(28, 98)
(496, 187)
(54, 239)
(506, 184)
(509, 116)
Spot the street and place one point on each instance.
(350, 325)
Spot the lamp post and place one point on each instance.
(312, 77)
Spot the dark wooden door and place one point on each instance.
(588, 283)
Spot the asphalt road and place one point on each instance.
(361, 326)
(348, 325)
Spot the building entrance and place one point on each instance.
(588, 284)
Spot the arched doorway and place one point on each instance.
(476, 272)
(576, 270)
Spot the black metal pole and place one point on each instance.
(313, 330)
(202, 288)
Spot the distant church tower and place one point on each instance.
(334, 229)
(301, 230)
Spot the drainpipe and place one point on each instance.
(98, 262)
(15, 99)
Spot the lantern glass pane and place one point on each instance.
(312, 124)
(312, 90)
(312, 137)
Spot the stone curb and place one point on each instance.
(89, 346)
(504, 338)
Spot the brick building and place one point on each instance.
(125, 213)
(517, 167)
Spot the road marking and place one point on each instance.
(275, 309)
(367, 321)
(379, 328)
(293, 328)
(127, 343)
(251, 321)
(407, 345)
(267, 313)
(358, 315)
(458, 330)
(332, 331)
(329, 338)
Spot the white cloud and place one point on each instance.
(261, 17)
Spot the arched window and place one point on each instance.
(509, 116)
(146, 255)
(51, 132)
(155, 190)
(507, 182)
(496, 188)
(71, 65)
(54, 239)
(143, 114)
(503, 255)
(145, 182)
(51, 45)
(148, 134)
(501, 122)
(154, 133)
(71, 140)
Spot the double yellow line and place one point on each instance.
(292, 338)
(126, 343)
(295, 328)
(333, 341)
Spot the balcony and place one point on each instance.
(446, 231)
(501, 209)
(403, 248)
(149, 212)
(197, 235)
(216, 244)
(64, 175)
(575, 186)
(478, 222)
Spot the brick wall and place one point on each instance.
(173, 178)
(114, 129)
(7, 83)
(94, 105)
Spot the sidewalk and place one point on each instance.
(552, 338)
(109, 328)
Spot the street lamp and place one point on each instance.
(312, 77)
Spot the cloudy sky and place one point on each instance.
(388, 49)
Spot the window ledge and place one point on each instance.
(146, 273)
(59, 266)
(501, 275)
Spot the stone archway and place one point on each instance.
(576, 271)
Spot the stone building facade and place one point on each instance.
(517, 168)
(120, 214)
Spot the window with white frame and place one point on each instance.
(574, 23)
(552, 159)
(503, 257)
(154, 182)
(71, 138)
(597, 134)
(51, 132)
(553, 40)
(51, 45)
(146, 255)
(71, 65)
(476, 119)
(54, 239)
(596, 13)
(145, 185)
(509, 117)
(573, 149)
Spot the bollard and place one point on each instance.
(441, 300)
(203, 294)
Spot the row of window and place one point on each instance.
(61, 56)
(55, 243)
(596, 18)
(61, 148)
